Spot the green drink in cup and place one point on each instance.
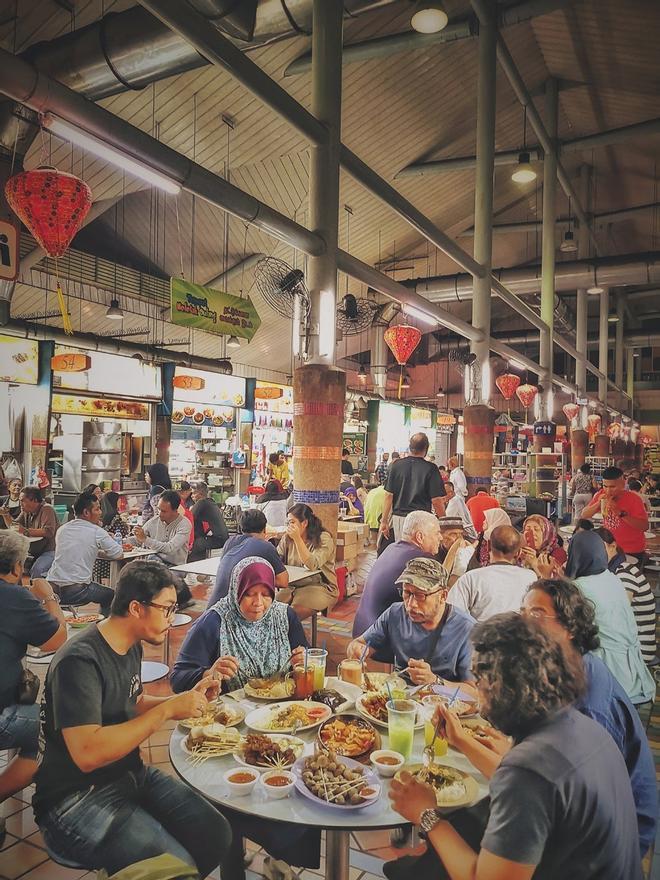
(401, 726)
(316, 659)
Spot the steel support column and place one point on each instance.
(324, 177)
(618, 349)
(603, 333)
(483, 196)
(630, 376)
(548, 242)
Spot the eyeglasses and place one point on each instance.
(537, 614)
(168, 610)
(420, 598)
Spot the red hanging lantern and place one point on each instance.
(507, 384)
(571, 411)
(526, 394)
(51, 203)
(593, 423)
(402, 340)
(614, 430)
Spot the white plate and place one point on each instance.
(363, 712)
(187, 750)
(237, 712)
(281, 739)
(252, 694)
(370, 779)
(259, 719)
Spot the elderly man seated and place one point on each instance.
(455, 550)
(420, 538)
(428, 638)
(497, 587)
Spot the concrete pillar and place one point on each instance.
(324, 177)
(319, 393)
(603, 333)
(579, 447)
(478, 433)
(548, 244)
(618, 349)
(483, 194)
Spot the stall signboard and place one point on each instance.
(199, 386)
(355, 443)
(109, 374)
(271, 397)
(420, 418)
(19, 360)
(214, 311)
(100, 408)
(9, 250)
(445, 423)
(203, 415)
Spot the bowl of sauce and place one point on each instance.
(277, 783)
(386, 761)
(240, 782)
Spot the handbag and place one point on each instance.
(28, 688)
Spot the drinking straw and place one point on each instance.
(305, 661)
(363, 654)
(389, 693)
(453, 699)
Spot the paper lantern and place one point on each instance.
(614, 430)
(593, 424)
(526, 394)
(51, 203)
(507, 384)
(402, 340)
(634, 434)
(571, 411)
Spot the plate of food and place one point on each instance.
(462, 703)
(477, 727)
(269, 751)
(275, 688)
(339, 695)
(375, 681)
(210, 741)
(198, 418)
(453, 788)
(349, 736)
(83, 620)
(373, 707)
(287, 717)
(336, 782)
(177, 416)
(217, 712)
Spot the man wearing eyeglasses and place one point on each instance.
(96, 803)
(428, 638)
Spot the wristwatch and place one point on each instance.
(52, 598)
(427, 822)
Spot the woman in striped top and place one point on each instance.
(639, 592)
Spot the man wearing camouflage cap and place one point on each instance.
(428, 639)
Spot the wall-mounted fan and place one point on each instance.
(461, 359)
(281, 286)
(355, 315)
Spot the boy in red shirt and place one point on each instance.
(623, 513)
(478, 505)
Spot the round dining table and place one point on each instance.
(337, 822)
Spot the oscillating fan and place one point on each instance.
(355, 315)
(281, 286)
(461, 359)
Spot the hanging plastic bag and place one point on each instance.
(11, 469)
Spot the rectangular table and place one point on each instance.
(209, 568)
(117, 564)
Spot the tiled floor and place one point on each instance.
(23, 855)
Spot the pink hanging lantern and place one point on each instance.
(402, 340)
(526, 394)
(571, 411)
(507, 384)
(614, 430)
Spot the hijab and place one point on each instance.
(494, 518)
(109, 507)
(586, 555)
(351, 493)
(549, 539)
(261, 646)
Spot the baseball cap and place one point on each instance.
(426, 574)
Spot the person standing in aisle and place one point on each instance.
(623, 513)
(457, 477)
(210, 528)
(582, 490)
(412, 484)
(382, 469)
(346, 466)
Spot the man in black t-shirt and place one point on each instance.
(210, 527)
(412, 484)
(95, 802)
(346, 466)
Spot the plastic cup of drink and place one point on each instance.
(316, 658)
(303, 680)
(401, 726)
(351, 672)
(429, 705)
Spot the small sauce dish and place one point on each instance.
(240, 781)
(277, 783)
(387, 762)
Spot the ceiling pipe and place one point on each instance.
(531, 337)
(23, 83)
(612, 136)
(130, 50)
(597, 219)
(464, 163)
(109, 345)
(225, 278)
(461, 29)
(620, 271)
(223, 54)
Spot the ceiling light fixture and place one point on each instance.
(429, 17)
(233, 342)
(115, 311)
(636, 353)
(362, 373)
(568, 245)
(612, 318)
(103, 150)
(406, 381)
(523, 172)
(418, 313)
(440, 392)
(595, 287)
